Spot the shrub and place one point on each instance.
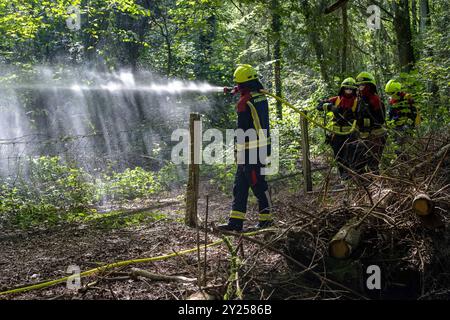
(131, 184)
(50, 190)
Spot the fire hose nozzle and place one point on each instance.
(229, 90)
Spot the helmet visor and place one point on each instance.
(348, 90)
(364, 80)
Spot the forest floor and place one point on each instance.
(290, 262)
(29, 257)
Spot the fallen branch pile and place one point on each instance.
(399, 222)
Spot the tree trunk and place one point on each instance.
(169, 56)
(414, 16)
(268, 58)
(314, 37)
(338, 4)
(205, 47)
(166, 35)
(425, 24)
(138, 27)
(306, 163)
(425, 21)
(276, 28)
(404, 36)
(345, 37)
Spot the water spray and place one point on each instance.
(173, 87)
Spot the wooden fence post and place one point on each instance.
(193, 169)
(306, 164)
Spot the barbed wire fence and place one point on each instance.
(141, 145)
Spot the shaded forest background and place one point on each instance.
(296, 45)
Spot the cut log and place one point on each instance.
(346, 240)
(422, 205)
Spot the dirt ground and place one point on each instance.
(30, 257)
(155, 227)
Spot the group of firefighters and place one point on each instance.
(358, 134)
(360, 150)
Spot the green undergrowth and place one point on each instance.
(116, 219)
(55, 191)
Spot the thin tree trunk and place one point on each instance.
(205, 46)
(276, 28)
(404, 36)
(425, 24)
(345, 37)
(315, 40)
(414, 16)
(424, 16)
(166, 34)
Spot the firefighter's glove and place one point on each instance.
(229, 90)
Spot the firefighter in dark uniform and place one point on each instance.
(370, 116)
(252, 116)
(343, 107)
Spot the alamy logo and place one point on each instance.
(74, 281)
(239, 146)
(374, 21)
(374, 280)
(73, 22)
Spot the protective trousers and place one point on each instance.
(249, 176)
(341, 145)
(368, 154)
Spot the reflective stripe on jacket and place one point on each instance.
(253, 113)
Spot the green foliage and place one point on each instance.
(55, 191)
(203, 40)
(62, 185)
(170, 176)
(130, 184)
(221, 175)
(52, 189)
(115, 219)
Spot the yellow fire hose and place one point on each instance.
(354, 128)
(118, 264)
